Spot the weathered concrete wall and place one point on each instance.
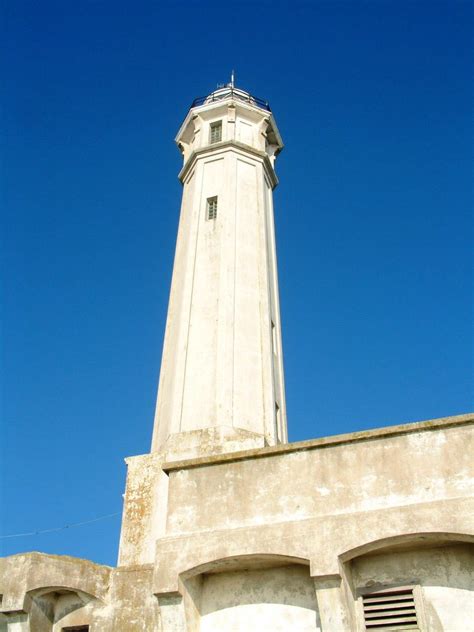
(133, 607)
(283, 538)
(366, 472)
(327, 502)
(44, 592)
(47, 593)
(15, 623)
(144, 509)
(445, 574)
(277, 599)
(35, 573)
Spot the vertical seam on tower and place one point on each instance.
(276, 298)
(191, 297)
(269, 266)
(259, 187)
(235, 166)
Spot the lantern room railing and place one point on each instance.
(229, 91)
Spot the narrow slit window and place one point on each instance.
(392, 609)
(216, 132)
(274, 338)
(211, 211)
(278, 423)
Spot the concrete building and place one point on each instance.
(226, 526)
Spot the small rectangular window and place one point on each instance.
(215, 132)
(392, 609)
(211, 212)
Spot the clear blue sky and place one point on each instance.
(373, 218)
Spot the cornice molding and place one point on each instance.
(223, 147)
(385, 433)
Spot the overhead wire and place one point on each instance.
(55, 529)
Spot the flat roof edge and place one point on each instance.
(323, 442)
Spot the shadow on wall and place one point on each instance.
(276, 598)
(53, 608)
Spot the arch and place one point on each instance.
(243, 562)
(44, 591)
(424, 538)
(274, 591)
(49, 606)
(434, 565)
(202, 555)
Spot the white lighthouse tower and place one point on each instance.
(221, 383)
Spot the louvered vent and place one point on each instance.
(390, 610)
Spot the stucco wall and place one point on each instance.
(273, 600)
(16, 623)
(445, 574)
(328, 502)
(285, 536)
(365, 473)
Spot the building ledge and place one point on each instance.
(324, 442)
(38, 556)
(228, 145)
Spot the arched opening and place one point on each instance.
(430, 574)
(59, 609)
(273, 592)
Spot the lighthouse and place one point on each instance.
(221, 384)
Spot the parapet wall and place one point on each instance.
(358, 472)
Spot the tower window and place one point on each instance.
(274, 338)
(216, 132)
(390, 610)
(211, 211)
(278, 423)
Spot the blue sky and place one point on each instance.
(373, 216)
